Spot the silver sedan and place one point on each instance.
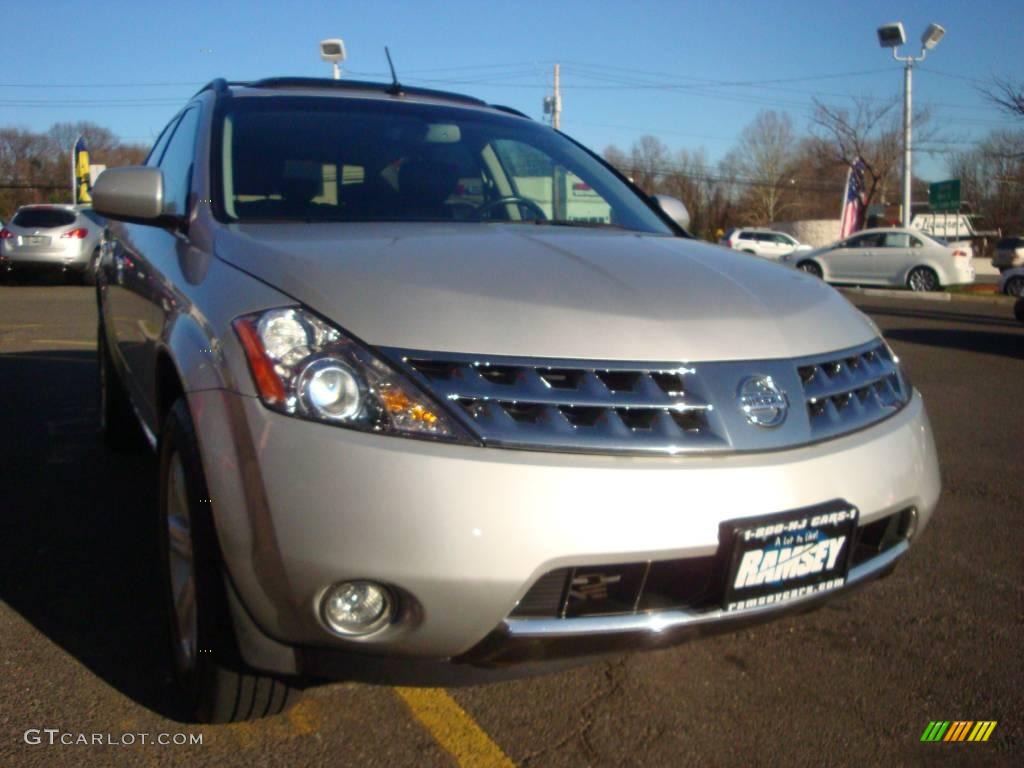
(890, 257)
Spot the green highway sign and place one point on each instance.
(944, 196)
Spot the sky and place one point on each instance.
(694, 74)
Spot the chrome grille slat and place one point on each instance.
(657, 408)
(849, 391)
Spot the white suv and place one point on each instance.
(763, 242)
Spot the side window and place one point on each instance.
(153, 158)
(866, 241)
(896, 240)
(177, 163)
(915, 242)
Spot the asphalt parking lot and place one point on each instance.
(855, 683)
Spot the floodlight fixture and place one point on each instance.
(333, 50)
(892, 35)
(932, 36)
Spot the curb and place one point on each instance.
(995, 298)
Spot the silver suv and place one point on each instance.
(763, 242)
(430, 381)
(52, 238)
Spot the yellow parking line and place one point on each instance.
(72, 342)
(453, 728)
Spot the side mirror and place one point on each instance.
(673, 208)
(134, 193)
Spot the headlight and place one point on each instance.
(304, 367)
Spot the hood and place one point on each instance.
(543, 291)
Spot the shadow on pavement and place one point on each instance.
(77, 527)
(986, 342)
(949, 316)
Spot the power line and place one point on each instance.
(98, 85)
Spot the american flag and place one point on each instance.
(852, 217)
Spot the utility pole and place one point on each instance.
(556, 109)
(553, 104)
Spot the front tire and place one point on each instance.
(811, 268)
(214, 683)
(922, 279)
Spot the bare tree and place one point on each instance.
(1007, 95)
(35, 167)
(992, 175)
(648, 159)
(764, 159)
(689, 180)
(617, 158)
(871, 131)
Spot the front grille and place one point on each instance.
(849, 391)
(576, 406)
(658, 408)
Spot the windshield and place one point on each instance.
(327, 159)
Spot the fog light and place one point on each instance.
(356, 607)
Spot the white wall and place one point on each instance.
(815, 232)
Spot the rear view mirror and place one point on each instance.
(443, 133)
(133, 193)
(674, 209)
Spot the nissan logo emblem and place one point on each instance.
(763, 403)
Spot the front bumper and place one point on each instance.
(461, 533)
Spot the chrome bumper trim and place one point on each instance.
(521, 640)
(667, 620)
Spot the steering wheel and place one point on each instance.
(484, 209)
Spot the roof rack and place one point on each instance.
(218, 86)
(360, 85)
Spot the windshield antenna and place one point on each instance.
(396, 88)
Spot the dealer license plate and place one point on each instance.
(781, 557)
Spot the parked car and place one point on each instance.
(52, 238)
(891, 256)
(407, 408)
(762, 242)
(1011, 282)
(1009, 253)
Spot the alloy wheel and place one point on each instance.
(923, 280)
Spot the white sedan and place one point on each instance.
(891, 256)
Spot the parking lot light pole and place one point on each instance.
(892, 36)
